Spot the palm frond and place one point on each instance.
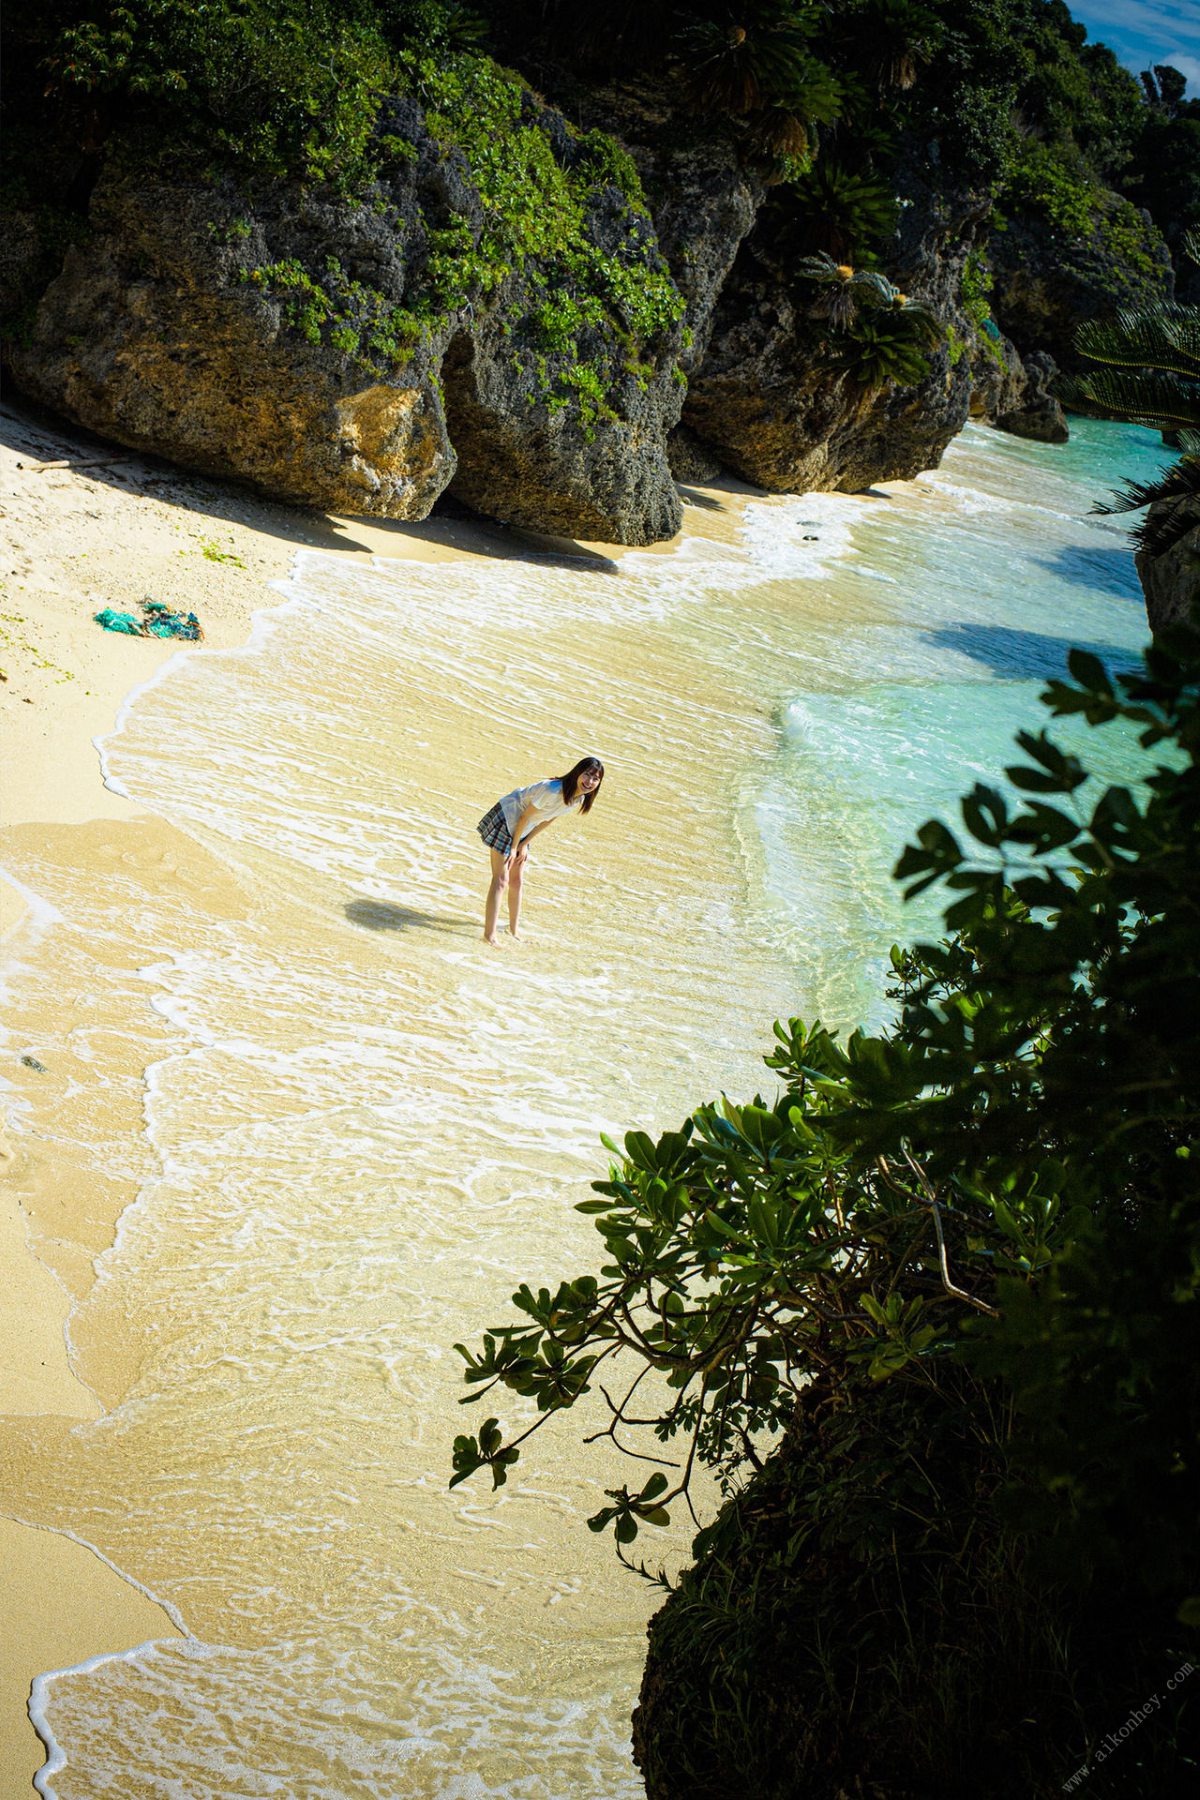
(1172, 514)
(1180, 482)
(1166, 336)
(1155, 398)
(1151, 376)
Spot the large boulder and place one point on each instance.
(703, 195)
(164, 333)
(362, 355)
(1171, 579)
(599, 477)
(1039, 414)
(702, 201)
(764, 396)
(998, 379)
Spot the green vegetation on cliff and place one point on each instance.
(843, 107)
(957, 1264)
(306, 91)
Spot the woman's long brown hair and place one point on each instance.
(570, 781)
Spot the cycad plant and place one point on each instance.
(1150, 375)
(841, 211)
(883, 346)
(738, 64)
(847, 289)
(898, 38)
(757, 65)
(879, 334)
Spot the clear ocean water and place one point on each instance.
(355, 1130)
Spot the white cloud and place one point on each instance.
(1150, 21)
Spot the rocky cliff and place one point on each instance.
(364, 355)
(1054, 272)
(308, 344)
(769, 396)
(1171, 580)
(523, 304)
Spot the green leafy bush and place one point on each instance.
(293, 90)
(345, 314)
(842, 212)
(281, 86)
(591, 307)
(975, 289)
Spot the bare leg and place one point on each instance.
(516, 878)
(491, 911)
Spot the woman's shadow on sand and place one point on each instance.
(385, 915)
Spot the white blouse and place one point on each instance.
(545, 796)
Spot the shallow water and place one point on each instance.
(360, 1128)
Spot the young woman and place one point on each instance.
(507, 828)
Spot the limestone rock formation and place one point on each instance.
(153, 336)
(530, 466)
(792, 1660)
(366, 355)
(764, 397)
(1049, 280)
(1039, 415)
(288, 340)
(704, 198)
(998, 378)
(692, 461)
(703, 201)
(1171, 580)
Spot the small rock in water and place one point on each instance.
(31, 1062)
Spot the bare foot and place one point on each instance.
(494, 942)
(519, 935)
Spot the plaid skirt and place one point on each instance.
(494, 831)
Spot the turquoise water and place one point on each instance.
(977, 603)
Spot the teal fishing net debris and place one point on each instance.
(157, 621)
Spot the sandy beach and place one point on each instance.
(85, 526)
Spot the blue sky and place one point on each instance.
(1145, 32)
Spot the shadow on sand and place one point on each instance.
(692, 496)
(385, 915)
(44, 439)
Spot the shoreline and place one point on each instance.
(201, 546)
